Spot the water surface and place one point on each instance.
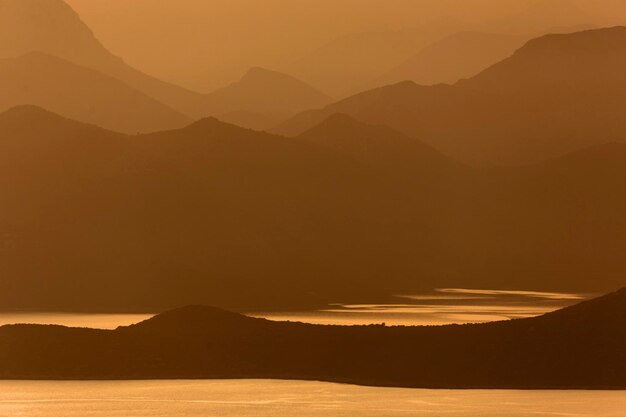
(439, 307)
(263, 398)
(94, 321)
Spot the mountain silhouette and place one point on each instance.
(252, 120)
(194, 201)
(268, 94)
(541, 16)
(557, 94)
(381, 147)
(260, 99)
(589, 62)
(216, 214)
(579, 347)
(81, 94)
(352, 60)
(53, 27)
(457, 56)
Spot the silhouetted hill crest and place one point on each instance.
(609, 308)
(82, 93)
(48, 26)
(588, 61)
(263, 75)
(37, 118)
(193, 318)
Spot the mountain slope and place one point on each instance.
(579, 347)
(590, 62)
(146, 224)
(53, 27)
(458, 56)
(267, 93)
(82, 94)
(557, 94)
(541, 16)
(383, 148)
(216, 214)
(351, 61)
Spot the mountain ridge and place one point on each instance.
(81, 93)
(516, 112)
(184, 207)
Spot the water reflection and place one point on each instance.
(94, 321)
(261, 398)
(440, 307)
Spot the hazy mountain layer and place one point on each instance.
(268, 94)
(557, 94)
(448, 60)
(213, 213)
(53, 28)
(82, 94)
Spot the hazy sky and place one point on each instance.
(221, 38)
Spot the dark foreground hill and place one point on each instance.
(583, 346)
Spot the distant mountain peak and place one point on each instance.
(260, 73)
(588, 34)
(28, 115)
(191, 318)
(210, 123)
(50, 26)
(590, 60)
(266, 92)
(259, 76)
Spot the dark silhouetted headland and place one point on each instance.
(583, 346)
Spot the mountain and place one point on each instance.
(351, 61)
(557, 94)
(53, 27)
(268, 94)
(81, 94)
(216, 214)
(251, 120)
(382, 148)
(457, 56)
(589, 62)
(542, 15)
(580, 347)
(148, 221)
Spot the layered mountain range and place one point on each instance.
(68, 50)
(118, 194)
(217, 214)
(557, 94)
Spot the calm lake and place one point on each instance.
(262, 398)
